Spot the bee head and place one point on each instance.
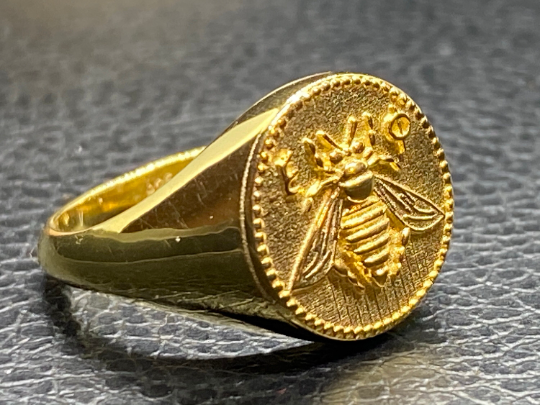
(336, 160)
(354, 169)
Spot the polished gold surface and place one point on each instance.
(327, 205)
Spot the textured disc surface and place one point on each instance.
(351, 205)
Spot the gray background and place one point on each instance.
(91, 89)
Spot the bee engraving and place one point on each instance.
(364, 220)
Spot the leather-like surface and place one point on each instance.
(91, 89)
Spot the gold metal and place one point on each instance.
(327, 205)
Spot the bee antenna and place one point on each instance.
(312, 149)
(351, 130)
(325, 137)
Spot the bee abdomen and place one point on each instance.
(374, 227)
(377, 258)
(373, 244)
(363, 216)
(367, 235)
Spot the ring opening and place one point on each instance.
(115, 196)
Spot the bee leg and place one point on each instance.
(405, 235)
(340, 265)
(380, 276)
(307, 205)
(384, 159)
(345, 271)
(400, 241)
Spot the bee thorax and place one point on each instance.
(358, 188)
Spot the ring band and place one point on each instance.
(327, 205)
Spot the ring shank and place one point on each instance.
(193, 268)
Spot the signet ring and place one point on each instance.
(326, 207)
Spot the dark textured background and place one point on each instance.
(91, 89)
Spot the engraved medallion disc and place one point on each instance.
(350, 206)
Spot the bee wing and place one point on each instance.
(317, 254)
(415, 211)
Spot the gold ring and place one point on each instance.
(327, 206)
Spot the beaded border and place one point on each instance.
(276, 127)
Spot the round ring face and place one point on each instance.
(351, 206)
